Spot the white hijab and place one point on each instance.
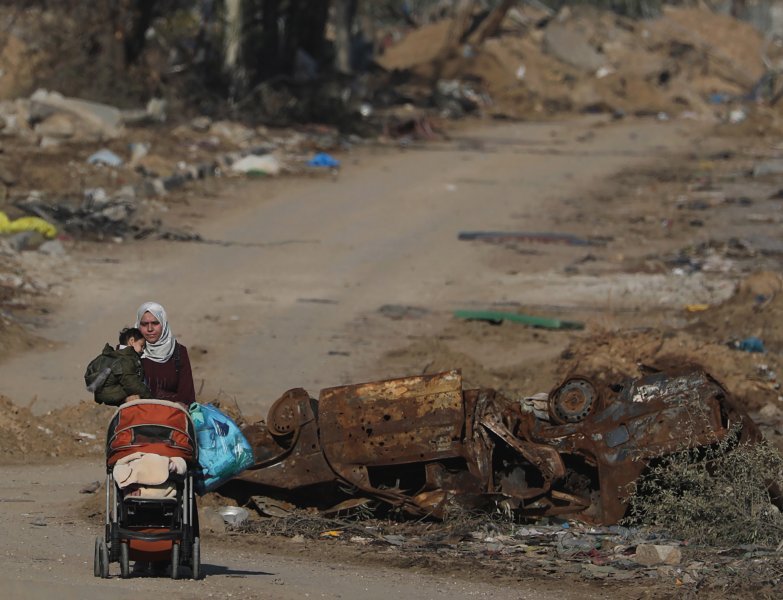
(161, 350)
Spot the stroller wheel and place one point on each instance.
(96, 564)
(195, 561)
(124, 561)
(175, 561)
(101, 560)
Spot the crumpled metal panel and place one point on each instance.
(393, 422)
(286, 448)
(419, 442)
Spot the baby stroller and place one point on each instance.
(151, 514)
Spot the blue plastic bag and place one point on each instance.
(223, 452)
(324, 160)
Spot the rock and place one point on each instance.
(156, 109)
(52, 248)
(26, 240)
(211, 520)
(201, 124)
(769, 167)
(234, 133)
(58, 126)
(7, 176)
(91, 120)
(572, 47)
(653, 554)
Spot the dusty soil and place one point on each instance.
(324, 282)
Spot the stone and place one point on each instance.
(211, 520)
(654, 554)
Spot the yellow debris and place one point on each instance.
(697, 307)
(332, 533)
(27, 224)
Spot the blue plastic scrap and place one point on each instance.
(750, 344)
(324, 160)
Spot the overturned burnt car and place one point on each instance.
(417, 443)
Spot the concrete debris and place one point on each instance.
(90, 120)
(653, 554)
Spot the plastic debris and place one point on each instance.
(323, 159)
(495, 316)
(529, 236)
(105, 157)
(234, 515)
(258, 165)
(700, 307)
(38, 224)
(749, 344)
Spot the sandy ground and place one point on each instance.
(47, 552)
(289, 294)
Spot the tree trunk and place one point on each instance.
(345, 12)
(490, 25)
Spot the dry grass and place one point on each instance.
(718, 495)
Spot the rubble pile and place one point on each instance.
(689, 61)
(94, 173)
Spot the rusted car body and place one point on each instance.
(419, 442)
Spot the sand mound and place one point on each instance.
(73, 431)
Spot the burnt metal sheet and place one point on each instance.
(392, 422)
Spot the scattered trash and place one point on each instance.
(692, 308)
(346, 506)
(234, 515)
(23, 224)
(401, 311)
(270, 507)
(252, 164)
(318, 300)
(749, 344)
(604, 72)
(333, 533)
(527, 236)
(737, 115)
(105, 157)
(138, 150)
(323, 160)
(495, 316)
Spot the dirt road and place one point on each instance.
(290, 296)
(46, 552)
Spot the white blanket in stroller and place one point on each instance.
(146, 475)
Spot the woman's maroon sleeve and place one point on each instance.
(186, 392)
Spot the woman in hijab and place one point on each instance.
(165, 361)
